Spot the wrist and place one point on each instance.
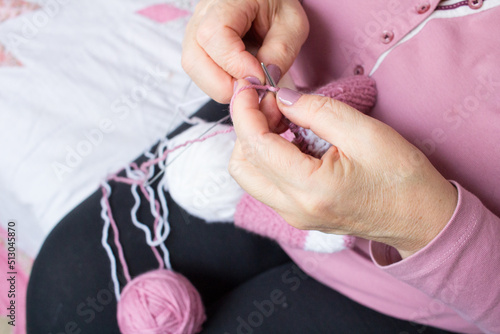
(433, 212)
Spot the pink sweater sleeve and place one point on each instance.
(460, 267)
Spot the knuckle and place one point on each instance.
(220, 96)
(285, 51)
(323, 108)
(298, 22)
(251, 147)
(234, 168)
(262, 140)
(231, 62)
(205, 34)
(247, 148)
(261, 151)
(320, 105)
(314, 206)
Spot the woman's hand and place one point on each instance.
(371, 183)
(215, 50)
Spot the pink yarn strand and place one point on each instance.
(121, 255)
(125, 180)
(140, 182)
(268, 88)
(161, 263)
(167, 152)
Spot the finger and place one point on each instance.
(220, 34)
(251, 180)
(273, 114)
(332, 120)
(269, 152)
(286, 35)
(261, 188)
(207, 75)
(248, 120)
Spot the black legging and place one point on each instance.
(247, 283)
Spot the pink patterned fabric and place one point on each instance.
(163, 13)
(13, 8)
(7, 59)
(8, 10)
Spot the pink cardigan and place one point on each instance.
(438, 76)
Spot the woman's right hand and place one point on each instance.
(217, 36)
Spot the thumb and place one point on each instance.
(286, 35)
(334, 121)
(269, 152)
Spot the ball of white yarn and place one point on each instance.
(197, 177)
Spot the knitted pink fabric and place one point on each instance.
(359, 92)
(257, 217)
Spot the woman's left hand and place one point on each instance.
(372, 183)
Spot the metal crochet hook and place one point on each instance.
(283, 120)
(268, 76)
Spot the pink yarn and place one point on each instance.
(160, 302)
(358, 91)
(116, 233)
(257, 87)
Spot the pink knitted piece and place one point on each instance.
(259, 218)
(359, 92)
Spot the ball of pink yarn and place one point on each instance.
(160, 301)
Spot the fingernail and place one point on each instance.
(274, 72)
(288, 96)
(235, 86)
(253, 80)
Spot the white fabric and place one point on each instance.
(317, 241)
(197, 176)
(65, 122)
